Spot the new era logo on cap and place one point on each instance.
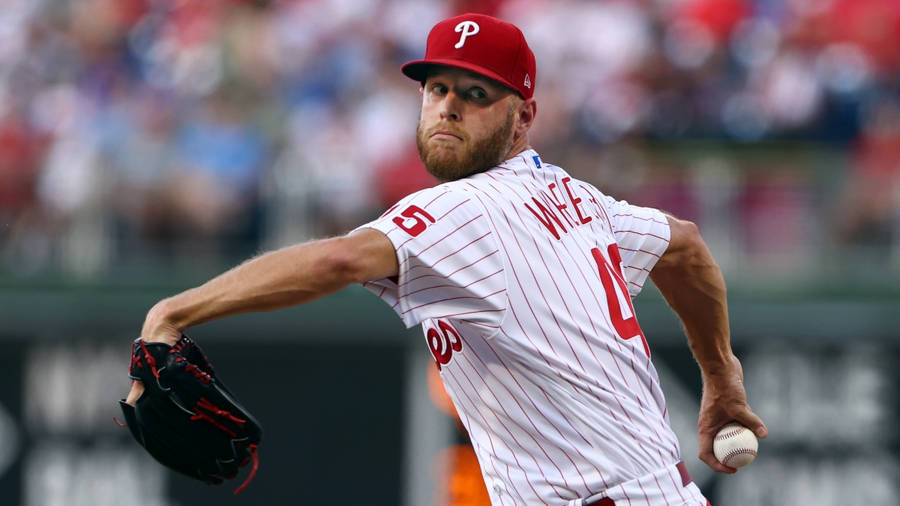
(482, 44)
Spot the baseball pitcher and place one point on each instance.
(521, 277)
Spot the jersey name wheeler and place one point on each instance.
(522, 278)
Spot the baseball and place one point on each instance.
(735, 445)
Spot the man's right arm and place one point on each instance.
(692, 284)
(285, 277)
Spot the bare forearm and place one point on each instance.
(275, 280)
(282, 278)
(692, 284)
(697, 295)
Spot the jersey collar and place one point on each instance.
(528, 158)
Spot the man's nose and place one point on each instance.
(451, 107)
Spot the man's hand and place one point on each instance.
(157, 328)
(724, 400)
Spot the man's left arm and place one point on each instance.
(692, 283)
(286, 277)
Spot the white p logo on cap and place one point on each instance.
(465, 29)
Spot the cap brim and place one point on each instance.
(418, 70)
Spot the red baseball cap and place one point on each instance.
(483, 44)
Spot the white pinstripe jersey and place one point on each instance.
(518, 277)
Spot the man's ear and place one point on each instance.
(525, 114)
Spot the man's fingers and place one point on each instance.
(754, 423)
(707, 456)
(761, 431)
(137, 388)
(714, 463)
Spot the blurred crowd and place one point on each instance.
(138, 130)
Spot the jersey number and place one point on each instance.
(414, 220)
(614, 284)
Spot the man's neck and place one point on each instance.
(518, 146)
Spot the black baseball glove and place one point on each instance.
(186, 418)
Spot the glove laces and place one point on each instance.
(252, 448)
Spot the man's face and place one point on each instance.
(466, 125)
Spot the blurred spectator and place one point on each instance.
(19, 153)
(218, 155)
(870, 215)
(871, 25)
(141, 162)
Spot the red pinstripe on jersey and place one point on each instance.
(558, 405)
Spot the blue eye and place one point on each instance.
(477, 93)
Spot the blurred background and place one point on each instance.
(147, 145)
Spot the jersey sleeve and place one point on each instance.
(642, 235)
(449, 260)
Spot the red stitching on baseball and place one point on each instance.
(729, 434)
(738, 451)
